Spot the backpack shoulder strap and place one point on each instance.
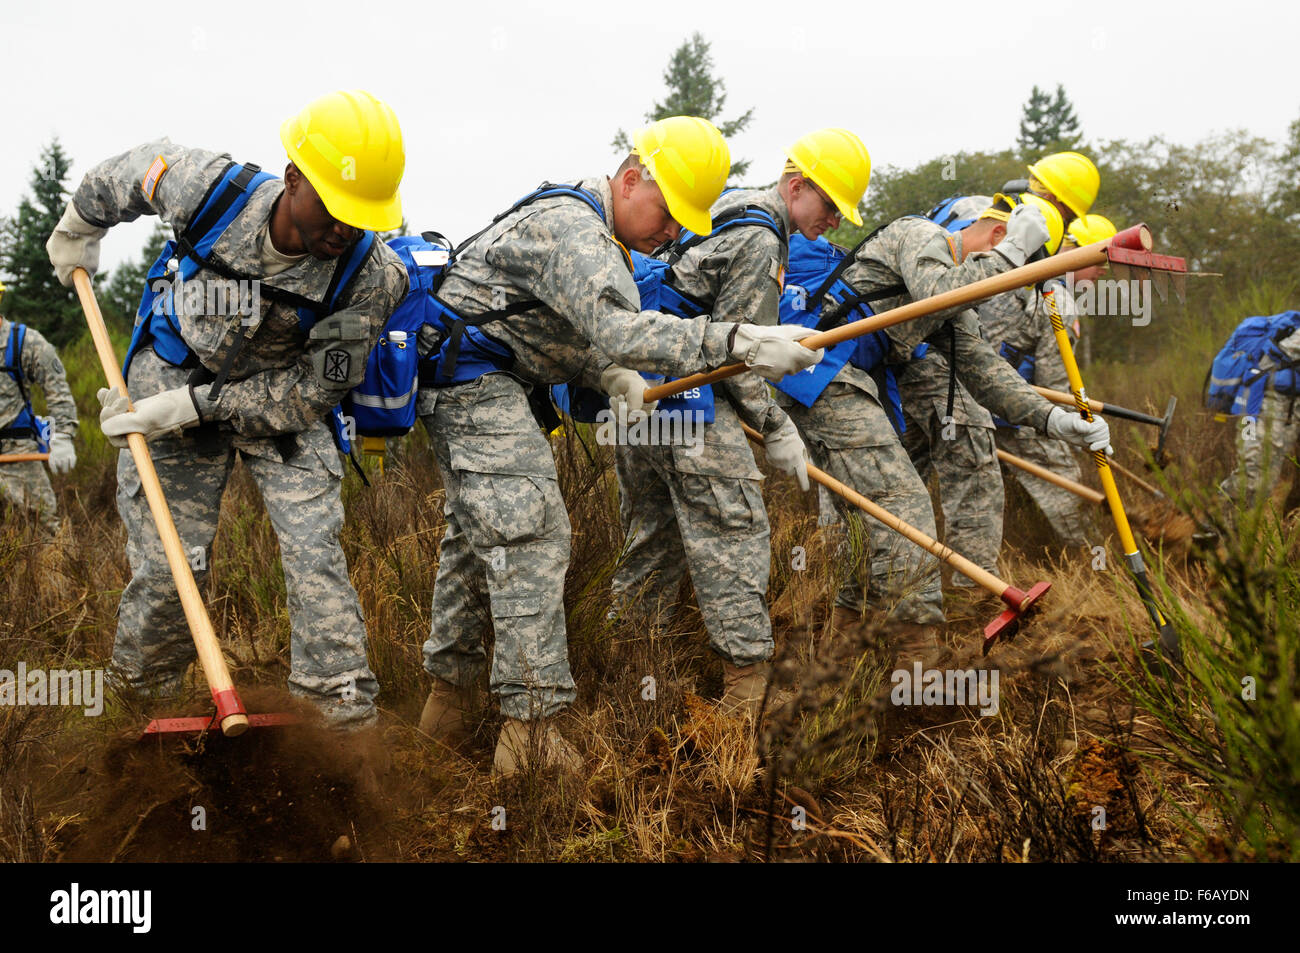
(222, 203)
(14, 359)
(746, 215)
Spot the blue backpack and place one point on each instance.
(384, 403)
(26, 425)
(653, 277)
(812, 280)
(182, 257)
(944, 214)
(1235, 383)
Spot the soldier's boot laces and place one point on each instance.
(743, 688)
(521, 741)
(443, 718)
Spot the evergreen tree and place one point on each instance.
(1048, 123)
(693, 90)
(35, 296)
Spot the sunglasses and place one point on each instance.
(831, 208)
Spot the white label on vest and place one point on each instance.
(430, 257)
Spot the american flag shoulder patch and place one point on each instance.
(151, 178)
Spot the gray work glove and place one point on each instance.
(63, 455)
(786, 452)
(1026, 233)
(771, 350)
(165, 413)
(627, 386)
(74, 243)
(1069, 426)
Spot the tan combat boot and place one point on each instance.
(743, 689)
(443, 718)
(519, 740)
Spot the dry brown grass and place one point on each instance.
(664, 779)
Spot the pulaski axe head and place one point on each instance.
(1168, 419)
(1004, 627)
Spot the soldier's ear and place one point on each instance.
(291, 178)
(998, 233)
(627, 181)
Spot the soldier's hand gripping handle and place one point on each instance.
(772, 351)
(74, 243)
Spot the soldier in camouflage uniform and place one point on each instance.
(273, 411)
(971, 490)
(1018, 326)
(850, 436)
(702, 507)
(25, 483)
(506, 547)
(1265, 443)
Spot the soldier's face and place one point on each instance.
(811, 211)
(641, 217)
(321, 234)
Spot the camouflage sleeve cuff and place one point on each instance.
(716, 344)
(205, 405)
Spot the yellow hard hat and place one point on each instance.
(349, 146)
(1087, 229)
(836, 160)
(689, 160)
(1070, 177)
(2, 291)
(1002, 205)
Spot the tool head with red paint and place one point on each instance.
(1004, 627)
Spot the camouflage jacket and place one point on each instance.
(738, 272)
(41, 366)
(283, 379)
(559, 252)
(1020, 319)
(928, 261)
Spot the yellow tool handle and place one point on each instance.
(205, 638)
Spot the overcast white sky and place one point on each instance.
(493, 97)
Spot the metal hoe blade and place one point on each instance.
(1004, 627)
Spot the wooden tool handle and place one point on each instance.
(23, 457)
(234, 720)
(981, 576)
(1051, 267)
(1087, 492)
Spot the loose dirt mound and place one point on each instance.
(297, 793)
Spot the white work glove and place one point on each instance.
(164, 413)
(786, 452)
(63, 456)
(628, 387)
(1069, 426)
(74, 243)
(1026, 233)
(771, 350)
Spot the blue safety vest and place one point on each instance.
(812, 282)
(26, 425)
(157, 324)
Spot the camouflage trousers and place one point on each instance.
(850, 437)
(505, 550)
(1071, 517)
(27, 485)
(299, 477)
(1264, 443)
(704, 512)
(960, 454)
